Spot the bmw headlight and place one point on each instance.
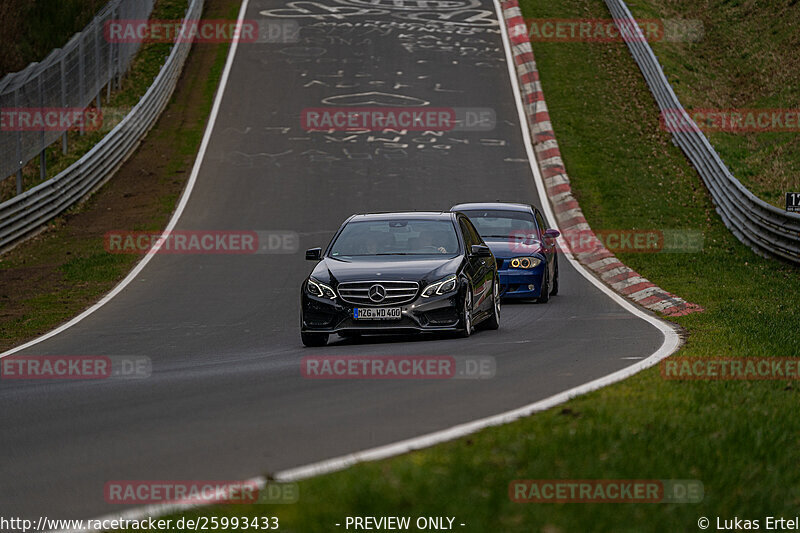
(442, 286)
(525, 262)
(320, 290)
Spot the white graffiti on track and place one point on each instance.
(374, 98)
(341, 146)
(319, 11)
(258, 160)
(461, 46)
(414, 5)
(385, 28)
(337, 61)
(303, 51)
(466, 17)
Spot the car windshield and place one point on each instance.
(396, 237)
(493, 224)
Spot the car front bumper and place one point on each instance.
(437, 313)
(516, 283)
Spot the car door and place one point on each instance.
(471, 269)
(548, 245)
(482, 268)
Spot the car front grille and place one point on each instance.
(441, 317)
(397, 292)
(318, 319)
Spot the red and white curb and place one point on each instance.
(594, 255)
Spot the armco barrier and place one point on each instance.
(25, 214)
(766, 229)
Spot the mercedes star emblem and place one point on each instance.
(377, 293)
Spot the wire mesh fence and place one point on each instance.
(24, 214)
(68, 80)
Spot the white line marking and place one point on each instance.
(670, 344)
(173, 221)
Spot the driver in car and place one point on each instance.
(371, 244)
(426, 243)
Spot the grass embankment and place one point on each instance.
(29, 30)
(741, 439)
(54, 276)
(144, 68)
(748, 59)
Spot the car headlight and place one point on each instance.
(525, 262)
(320, 290)
(443, 286)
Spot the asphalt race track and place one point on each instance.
(226, 399)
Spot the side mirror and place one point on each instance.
(314, 254)
(552, 233)
(481, 250)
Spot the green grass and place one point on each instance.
(31, 29)
(740, 439)
(99, 266)
(747, 60)
(144, 68)
(85, 270)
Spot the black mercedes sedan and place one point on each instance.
(400, 273)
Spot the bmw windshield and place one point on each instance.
(396, 237)
(493, 224)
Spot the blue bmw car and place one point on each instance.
(525, 248)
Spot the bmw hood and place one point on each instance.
(397, 268)
(508, 248)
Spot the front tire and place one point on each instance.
(554, 290)
(314, 339)
(544, 293)
(466, 314)
(493, 322)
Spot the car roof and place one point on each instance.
(497, 206)
(418, 215)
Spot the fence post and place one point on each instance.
(119, 73)
(43, 153)
(64, 147)
(19, 146)
(98, 87)
(110, 56)
(81, 74)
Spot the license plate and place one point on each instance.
(377, 313)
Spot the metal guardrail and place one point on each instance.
(768, 230)
(24, 214)
(68, 78)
